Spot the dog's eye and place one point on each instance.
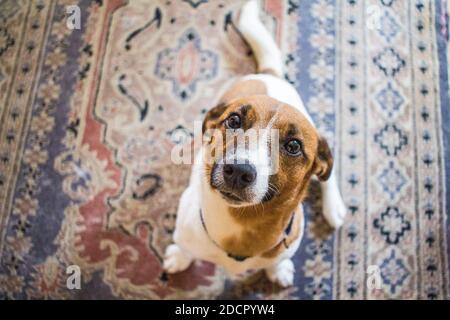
(293, 147)
(233, 121)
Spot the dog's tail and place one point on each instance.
(266, 51)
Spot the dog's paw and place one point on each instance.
(282, 273)
(175, 260)
(334, 210)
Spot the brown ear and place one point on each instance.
(212, 115)
(324, 160)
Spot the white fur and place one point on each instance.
(267, 53)
(257, 154)
(175, 259)
(282, 273)
(191, 240)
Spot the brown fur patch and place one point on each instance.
(297, 227)
(242, 89)
(212, 115)
(324, 160)
(238, 90)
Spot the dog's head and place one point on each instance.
(260, 150)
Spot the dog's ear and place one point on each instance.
(212, 116)
(323, 163)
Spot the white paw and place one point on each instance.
(282, 273)
(334, 209)
(175, 260)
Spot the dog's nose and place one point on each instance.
(239, 176)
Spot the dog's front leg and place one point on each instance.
(333, 209)
(282, 273)
(175, 259)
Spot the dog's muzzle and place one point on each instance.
(235, 181)
(239, 176)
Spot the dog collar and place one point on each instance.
(238, 258)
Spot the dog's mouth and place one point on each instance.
(227, 194)
(237, 197)
(269, 195)
(231, 196)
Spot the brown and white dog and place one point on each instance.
(236, 211)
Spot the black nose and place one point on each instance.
(239, 176)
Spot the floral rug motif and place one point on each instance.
(89, 116)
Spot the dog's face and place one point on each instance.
(260, 150)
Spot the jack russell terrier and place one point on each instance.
(236, 211)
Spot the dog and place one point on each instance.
(237, 212)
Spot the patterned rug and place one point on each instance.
(88, 118)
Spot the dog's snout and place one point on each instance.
(239, 176)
